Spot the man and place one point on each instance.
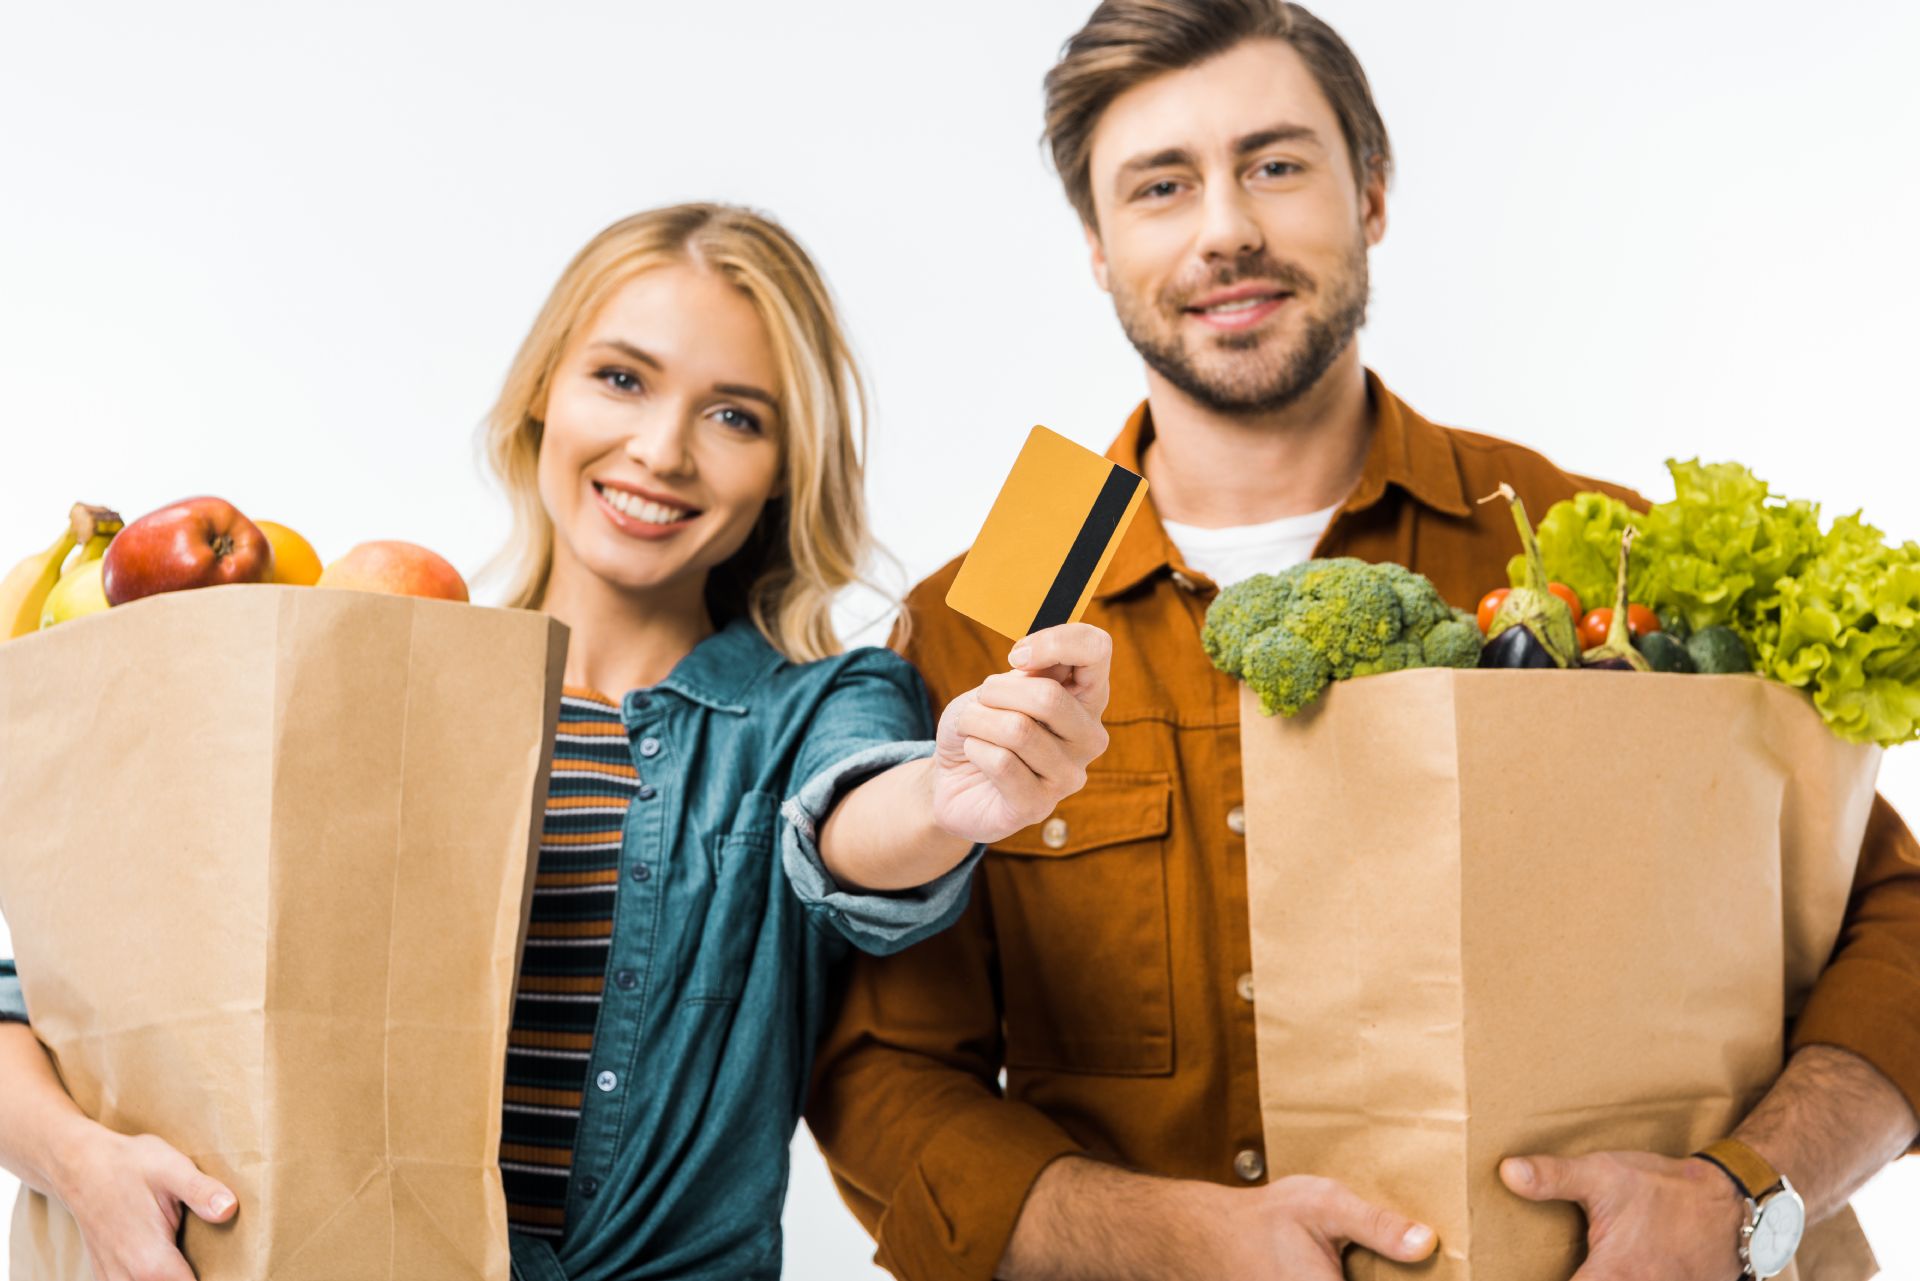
(1231, 169)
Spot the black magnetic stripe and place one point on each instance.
(1088, 546)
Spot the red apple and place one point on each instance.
(400, 569)
(196, 542)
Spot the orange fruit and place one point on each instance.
(294, 560)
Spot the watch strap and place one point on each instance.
(1749, 1170)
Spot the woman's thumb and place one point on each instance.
(206, 1196)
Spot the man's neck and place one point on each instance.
(1214, 470)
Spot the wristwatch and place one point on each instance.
(1776, 1216)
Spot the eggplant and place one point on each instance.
(1531, 605)
(1617, 653)
(1517, 647)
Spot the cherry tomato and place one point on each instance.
(1568, 595)
(1491, 602)
(1594, 627)
(1490, 605)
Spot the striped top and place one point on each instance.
(564, 966)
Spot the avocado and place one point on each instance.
(1664, 652)
(1719, 651)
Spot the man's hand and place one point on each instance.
(1088, 1221)
(1649, 1218)
(1296, 1229)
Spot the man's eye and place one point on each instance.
(1278, 169)
(1160, 190)
(619, 379)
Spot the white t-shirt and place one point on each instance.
(1241, 551)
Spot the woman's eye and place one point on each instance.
(619, 379)
(739, 420)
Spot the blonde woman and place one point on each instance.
(734, 802)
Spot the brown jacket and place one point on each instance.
(1104, 965)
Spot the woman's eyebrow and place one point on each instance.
(750, 393)
(626, 348)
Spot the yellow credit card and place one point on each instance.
(1049, 538)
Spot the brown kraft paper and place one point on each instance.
(1505, 912)
(267, 870)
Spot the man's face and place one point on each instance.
(1232, 234)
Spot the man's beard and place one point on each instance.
(1251, 384)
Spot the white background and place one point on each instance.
(284, 254)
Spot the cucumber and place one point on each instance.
(1719, 651)
(1665, 653)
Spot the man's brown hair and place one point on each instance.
(1127, 42)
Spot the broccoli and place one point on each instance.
(1288, 634)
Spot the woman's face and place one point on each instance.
(661, 441)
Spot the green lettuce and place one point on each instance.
(1835, 613)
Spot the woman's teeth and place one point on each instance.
(641, 509)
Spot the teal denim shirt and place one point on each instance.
(734, 932)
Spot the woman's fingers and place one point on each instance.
(1052, 708)
(1029, 742)
(1079, 656)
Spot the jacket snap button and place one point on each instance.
(1054, 833)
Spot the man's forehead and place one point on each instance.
(1208, 107)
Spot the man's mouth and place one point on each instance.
(1238, 308)
(643, 508)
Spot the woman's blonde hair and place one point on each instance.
(810, 542)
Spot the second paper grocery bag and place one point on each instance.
(266, 875)
(1501, 912)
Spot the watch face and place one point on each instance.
(1777, 1235)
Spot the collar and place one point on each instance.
(1406, 452)
(721, 669)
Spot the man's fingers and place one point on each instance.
(1550, 1178)
(1350, 1217)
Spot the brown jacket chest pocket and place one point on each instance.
(1079, 907)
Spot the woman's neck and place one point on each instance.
(624, 639)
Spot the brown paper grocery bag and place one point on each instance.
(1502, 912)
(266, 870)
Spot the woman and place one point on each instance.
(734, 803)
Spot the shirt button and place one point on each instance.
(1244, 986)
(643, 700)
(1054, 833)
(1250, 1165)
(649, 747)
(589, 1186)
(607, 1081)
(646, 792)
(1237, 821)
(640, 872)
(625, 980)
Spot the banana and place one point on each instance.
(79, 591)
(23, 592)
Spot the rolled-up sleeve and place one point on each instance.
(13, 1002)
(874, 717)
(1868, 998)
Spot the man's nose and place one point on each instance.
(1228, 229)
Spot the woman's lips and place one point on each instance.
(634, 525)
